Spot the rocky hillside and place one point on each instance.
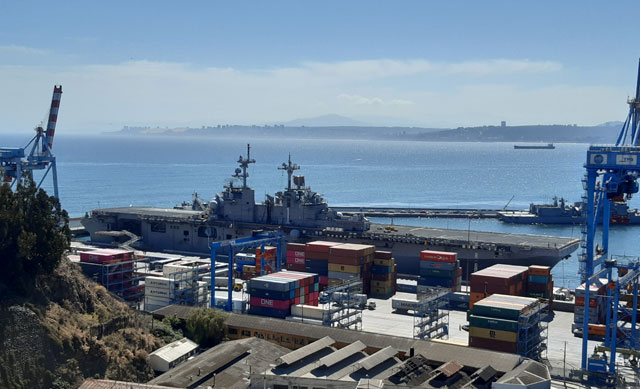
(69, 329)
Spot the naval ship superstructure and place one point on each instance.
(303, 215)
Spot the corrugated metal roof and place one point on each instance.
(305, 351)
(341, 354)
(175, 350)
(450, 368)
(375, 359)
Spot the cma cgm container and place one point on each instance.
(439, 268)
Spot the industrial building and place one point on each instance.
(228, 365)
(170, 355)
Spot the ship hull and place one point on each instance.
(186, 232)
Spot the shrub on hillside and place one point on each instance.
(34, 234)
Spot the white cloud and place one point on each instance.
(16, 49)
(361, 100)
(502, 67)
(106, 97)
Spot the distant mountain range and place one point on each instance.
(340, 127)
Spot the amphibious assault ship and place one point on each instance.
(303, 215)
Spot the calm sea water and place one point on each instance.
(107, 171)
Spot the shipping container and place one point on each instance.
(439, 265)
(344, 268)
(539, 279)
(383, 255)
(384, 262)
(319, 246)
(439, 256)
(343, 275)
(488, 333)
(307, 311)
(492, 344)
(352, 250)
(539, 270)
(493, 323)
(352, 261)
(439, 273)
(270, 312)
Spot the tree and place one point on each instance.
(206, 326)
(34, 234)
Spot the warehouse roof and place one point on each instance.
(174, 350)
(110, 384)
(305, 351)
(342, 354)
(230, 361)
(375, 359)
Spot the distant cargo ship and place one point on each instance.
(548, 146)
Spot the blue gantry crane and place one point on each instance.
(15, 162)
(612, 173)
(232, 247)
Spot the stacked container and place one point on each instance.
(540, 283)
(242, 260)
(317, 260)
(439, 268)
(383, 275)
(507, 324)
(502, 279)
(351, 262)
(274, 294)
(597, 307)
(112, 268)
(296, 258)
(266, 258)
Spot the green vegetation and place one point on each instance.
(34, 234)
(56, 326)
(206, 326)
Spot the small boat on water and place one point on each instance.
(548, 146)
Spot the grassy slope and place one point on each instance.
(71, 329)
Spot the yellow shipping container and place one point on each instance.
(344, 268)
(381, 284)
(384, 262)
(486, 333)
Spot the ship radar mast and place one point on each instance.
(290, 168)
(244, 164)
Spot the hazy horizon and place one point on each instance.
(421, 64)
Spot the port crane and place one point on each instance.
(612, 173)
(259, 240)
(16, 163)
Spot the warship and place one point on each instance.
(303, 215)
(561, 212)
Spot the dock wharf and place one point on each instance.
(419, 212)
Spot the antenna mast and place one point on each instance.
(244, 164)
(290, 168)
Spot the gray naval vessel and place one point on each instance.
(303, 215)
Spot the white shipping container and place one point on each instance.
(159, 282)
(307, 311)
(404, 304)
(158, 292)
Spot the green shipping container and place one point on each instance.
(492, 323)
(494, 311)
(438, 273)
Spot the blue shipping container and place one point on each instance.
(539, 279)
(270, 312)
(272, 294)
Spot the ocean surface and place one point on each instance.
(110, 171)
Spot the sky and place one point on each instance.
(407, 63)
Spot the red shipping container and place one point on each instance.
(294, 254)
(580, 302)
(269, 303)
(383, 255)
(492, 344)
(296, 247)
(296, 300)
(320, 246)
(438, 256)
(352, 261)
(323, 280)
(297, 260)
